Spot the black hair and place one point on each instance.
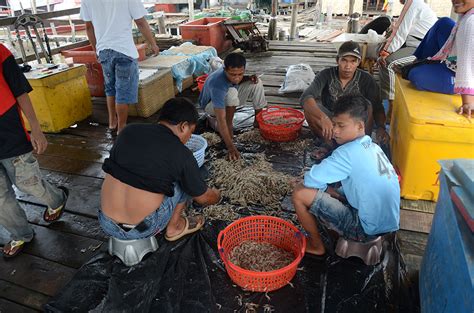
(178, 110)
(356, 106)
(234, 60)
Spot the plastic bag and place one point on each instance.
(298, 78)
(215, 63)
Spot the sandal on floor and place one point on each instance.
(192, 224)
(15, 247)
(51, 215)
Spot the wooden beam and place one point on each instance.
(32, 57)
(11, 20)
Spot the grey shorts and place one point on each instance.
(340, 217)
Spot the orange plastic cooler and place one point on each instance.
(207, 31)
(425, 128)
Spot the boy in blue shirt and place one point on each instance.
(368, 203)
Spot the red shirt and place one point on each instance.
(7, 100)
(14, 140)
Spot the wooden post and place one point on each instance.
(191, 9)
(294, 18)
(161, 24)
(33, 6)
(272, 26)
(351, 7)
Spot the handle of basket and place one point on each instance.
(219, 244)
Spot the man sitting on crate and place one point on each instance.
(150, 175)
(227, 88)
(330, 84)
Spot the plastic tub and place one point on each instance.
(197, 144)
(207, 31)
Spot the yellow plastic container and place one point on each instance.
(425, 128)
(60, 99)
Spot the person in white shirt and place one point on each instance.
(109, 29)
(412, 25)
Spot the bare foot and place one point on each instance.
(173, 230)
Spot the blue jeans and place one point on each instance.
(152, 224)
(120, 76)
(23, 171)
(338, 216)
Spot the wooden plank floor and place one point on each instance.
(74, 158)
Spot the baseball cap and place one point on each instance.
(349, 48)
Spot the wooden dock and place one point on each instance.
(74, 159)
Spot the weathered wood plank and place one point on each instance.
(66, 249)
(35, 273)
(69, 223)
(412, 242)
(76, 153)
(8, 306)
(68, 166)
(23, 296)
(415, 221)
(84, 192)
(80, 142)
(419, 206)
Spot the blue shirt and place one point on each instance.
(369, 183)
(215, 89)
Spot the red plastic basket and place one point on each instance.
(280, 124)
(261, 228)
(200, 80)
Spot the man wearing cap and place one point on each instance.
(341, 80)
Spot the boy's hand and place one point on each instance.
(38, 140)
(336, 195)
(326, 127)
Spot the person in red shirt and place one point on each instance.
(18, 166)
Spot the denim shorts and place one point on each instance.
(340, 217)
(151, 225)
(120, 76)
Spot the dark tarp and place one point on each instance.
(188, 275)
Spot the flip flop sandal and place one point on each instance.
(49, 212)
(16, 246)
(187, 229)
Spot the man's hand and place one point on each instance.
(326, 127)
(467, 108)
(295, 182)
(253, 79)
(381, 135)
(336, 195)
(38, 140)
(233, 154)
(155, 48)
